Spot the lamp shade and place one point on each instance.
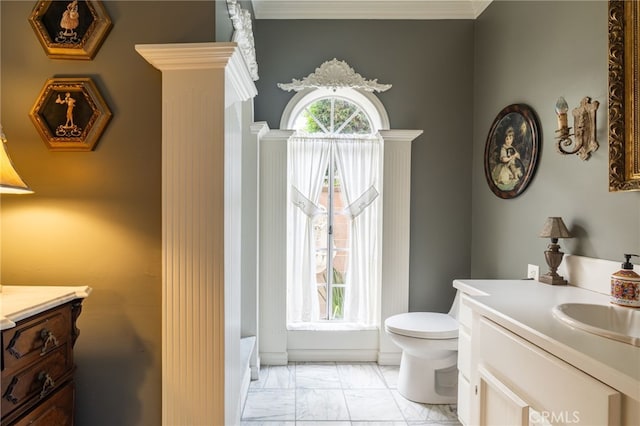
(10, 180)
(554, 227)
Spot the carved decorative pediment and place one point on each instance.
(243, 35)
(334, 75)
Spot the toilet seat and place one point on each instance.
(423, 325)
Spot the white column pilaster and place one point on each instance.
(395, 233)
(202, 85)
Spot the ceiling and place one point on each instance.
(368, 9)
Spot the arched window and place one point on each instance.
(366, 107)
(333, 116)
(323, 339)
(334, 209)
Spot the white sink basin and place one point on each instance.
(614, 322)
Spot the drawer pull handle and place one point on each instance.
(9, 396)
(47, 383)
(49, 339)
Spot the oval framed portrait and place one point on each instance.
(511, 151)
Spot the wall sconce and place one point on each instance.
(10, 180)
(554, 228)
(584, 137)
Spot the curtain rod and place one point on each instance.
(354, 138)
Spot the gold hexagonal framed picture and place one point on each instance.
(72, 29)
(70, 114)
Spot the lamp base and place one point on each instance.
(553, 279)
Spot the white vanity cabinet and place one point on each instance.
(465, 319)
(520, 384)
(507, 376)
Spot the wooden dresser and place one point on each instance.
(37, 386)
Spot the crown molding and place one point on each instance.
(369, 9)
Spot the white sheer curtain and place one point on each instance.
(359, 166)
(307, 163)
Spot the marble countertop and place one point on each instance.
(19, 302)
(525, 308)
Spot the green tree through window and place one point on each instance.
(335, 116)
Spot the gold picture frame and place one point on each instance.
(70, 114)
(624, 96)
(71, 29)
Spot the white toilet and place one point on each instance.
(429, 343)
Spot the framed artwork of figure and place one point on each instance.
(72, 29)
(70, 114)
(511, 151)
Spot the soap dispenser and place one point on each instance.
(625, 285)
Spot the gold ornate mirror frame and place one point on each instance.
(624, 96)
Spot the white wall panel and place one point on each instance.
(203, 87)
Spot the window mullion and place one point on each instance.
(332, 115)
(348, 120)
(330, 211)
(324, 129)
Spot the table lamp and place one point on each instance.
(554, 228)
(10, 180)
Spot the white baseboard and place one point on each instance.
(274, 358)
(255, 371)
(342, 355)
(244, 389)
(389, 358)
(337, 355)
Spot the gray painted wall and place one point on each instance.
(559, 49)
(430, 64)
(95, 217)
(224, 26)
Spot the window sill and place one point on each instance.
(329, 326)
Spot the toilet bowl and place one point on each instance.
(429, 343)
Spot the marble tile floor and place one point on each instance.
(336, 394)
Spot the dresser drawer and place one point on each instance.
(33, 338)
(56, 410)
(36, 361)
(36, 381)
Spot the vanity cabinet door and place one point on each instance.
(519, 383)
(498, 404)
(465, 318)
